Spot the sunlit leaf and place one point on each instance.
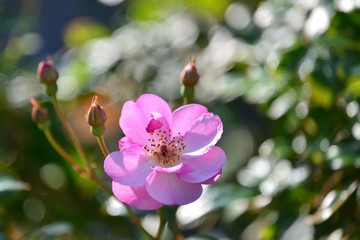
(353, 86)
(80, 30)
(310, 126)
(145, 10)
(282, 104)
(321, 95)
(226, 193)
(343, 155)
(300, 229)
(79, 70)
(331, 203)
(8, 183)
(216, 8)
(53, 230)
(337, 41)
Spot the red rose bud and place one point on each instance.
(38, 114)
(46, 72)
(189, 75)
(96, 115)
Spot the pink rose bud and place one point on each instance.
(189, 75)
(38, 114)
(46, 72)
(96, 115)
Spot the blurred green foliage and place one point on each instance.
(284, 76)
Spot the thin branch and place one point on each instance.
(103, 145)
(59, 149)
(70, 132)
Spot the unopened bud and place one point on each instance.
(189, 75)
(96, 115)
(46, 72)
(38, 113)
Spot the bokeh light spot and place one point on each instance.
(34, 209)
(53, 176)
(237, 16)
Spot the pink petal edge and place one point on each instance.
(136, 197)
(128, 167)
(185, 116)
(126, 143)
(203, 135)
(153, 124)
(135, 116)
(205, 166)
(213, 179)
(180, 169)
(169, 189)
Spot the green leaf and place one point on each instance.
(321, 95)
(82, 30)
(53, 231)
(353, 86)
(332, 202)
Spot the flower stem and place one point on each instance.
(101, 184)
(162, 223)
(137, 222)
(186, 100)
(132, 216)
(81, 152)
(103, 145)
(70, 132)
(59, 149)
(176, 228)
(68, 158)
(188, 94)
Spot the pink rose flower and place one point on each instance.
(165, 156)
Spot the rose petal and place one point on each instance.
(161, 122)
(137, 197)
(153, 124)
(169, 189)
(203, 135)
(135, 116)
(180, 168)
(213, 179)
(129, 168)
(185, 116)
(205, 166)
(132, 120)
(126, 143)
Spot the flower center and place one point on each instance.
(164, 148)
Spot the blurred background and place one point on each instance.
(284, 76)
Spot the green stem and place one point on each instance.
(59, 149)
(68, 158)
(188, 94)
(70, 132)
(136, 221)
(176, 228)
(162, 223)
(101, 184)
(103, 145)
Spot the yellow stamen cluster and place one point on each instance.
(165, 149)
